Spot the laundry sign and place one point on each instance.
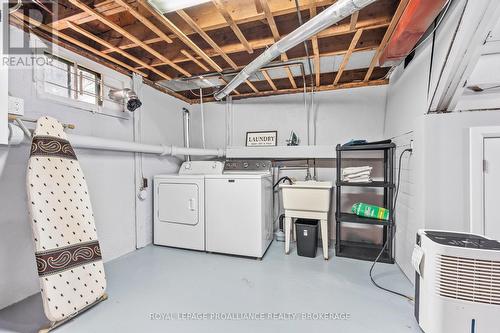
(263, 138)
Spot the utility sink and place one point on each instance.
(307, 196)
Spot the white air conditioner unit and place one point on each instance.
(457, 283)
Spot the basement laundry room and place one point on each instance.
(250, 166)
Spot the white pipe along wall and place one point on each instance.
(90, 142)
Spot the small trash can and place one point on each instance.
(307, 237)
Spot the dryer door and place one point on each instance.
(178, 203)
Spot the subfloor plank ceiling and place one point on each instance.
(204, 46)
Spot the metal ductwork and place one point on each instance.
(333, 14)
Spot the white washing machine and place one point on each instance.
(238, 209)
(179, 205)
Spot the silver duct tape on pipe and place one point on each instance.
(91, 142)
(333, 14)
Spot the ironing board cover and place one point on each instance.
(67, 252)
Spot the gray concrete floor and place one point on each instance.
(166, 281)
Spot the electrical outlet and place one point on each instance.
(16, 106)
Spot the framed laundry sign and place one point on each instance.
(262, 138)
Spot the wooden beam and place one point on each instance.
(74, 41)
(117, 50)
(107, 8)
(145, 21)
(223, 11)
(264, 42)
(324, 54)
(390, 30)
(276, 35)
(258, 6)
(347, 56)
(269, 80)
(185, 39)
(206, 37)
(211, 42)
(329, 87)
(270, 20)
(250, 84)
(354, 21)
(196, 61)
(314, 40)
(236, 92)
(126, 34)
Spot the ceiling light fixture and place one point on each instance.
(167, 6)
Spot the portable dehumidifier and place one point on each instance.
(457, 283)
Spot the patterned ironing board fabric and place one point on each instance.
(68, 255)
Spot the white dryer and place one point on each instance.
(238, 209)
(179, 205)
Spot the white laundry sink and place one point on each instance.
(307, 196)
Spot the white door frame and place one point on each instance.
(476, 176)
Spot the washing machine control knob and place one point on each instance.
(245, 165)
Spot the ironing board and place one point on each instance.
(68, 256)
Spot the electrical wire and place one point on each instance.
(386, 242)
(281, 179)
(444, 11)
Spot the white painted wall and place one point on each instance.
(341, 116)
(434, 180)
(110, 177)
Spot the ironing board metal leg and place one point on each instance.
(55, 324)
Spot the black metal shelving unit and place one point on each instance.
(360, 250)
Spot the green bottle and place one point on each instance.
(371, 211)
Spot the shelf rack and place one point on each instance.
(361, 250)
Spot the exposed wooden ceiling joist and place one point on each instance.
(232, 24)
(117, 50)
(127, 35)
(347, 56)
(263, 42)
(212, 43)
(179, 34)
(223, 35)
(390, 30)
(276, 36)
(37, 24)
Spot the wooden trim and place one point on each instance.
(268, 79)
(223, 11)
(74, 41)
(91, 36)
(347, 56)
(196, 61)
(126, 34)
(185, 39)
(390, 30)
(301, 90)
